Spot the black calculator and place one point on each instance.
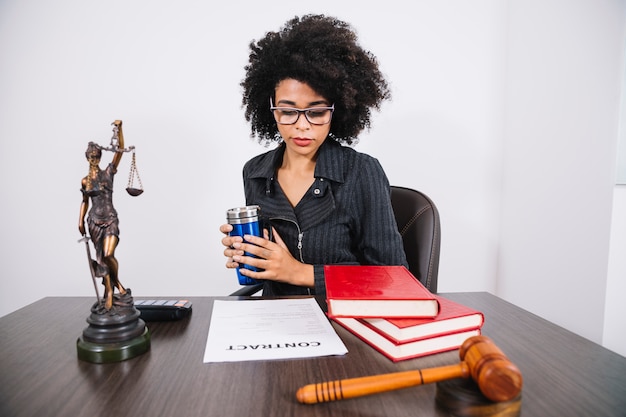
(163, 310)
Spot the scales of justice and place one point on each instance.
(115, 332)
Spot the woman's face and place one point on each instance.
(301, 138)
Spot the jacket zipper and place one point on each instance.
(300, 234)
(300, 237)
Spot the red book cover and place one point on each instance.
(377, 291)
(402, 351)
(453, 317)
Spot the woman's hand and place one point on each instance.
(229, 241)
(273, 258)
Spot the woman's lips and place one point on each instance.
(302, 141)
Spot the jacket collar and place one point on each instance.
(330, 161)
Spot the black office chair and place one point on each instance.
(419, 225)
(418, 222)
(248, 290)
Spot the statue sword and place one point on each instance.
(86, 239)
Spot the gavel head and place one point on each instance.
(497, 377)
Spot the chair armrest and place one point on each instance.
(248, 290)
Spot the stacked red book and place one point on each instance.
(409, 326)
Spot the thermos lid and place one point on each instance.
(242, 212)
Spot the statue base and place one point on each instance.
(462, 398)
(114, 335)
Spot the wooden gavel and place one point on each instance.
(497, 377)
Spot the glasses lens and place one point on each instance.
(286, 116)
(318, 116)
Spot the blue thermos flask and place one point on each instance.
(245, 221)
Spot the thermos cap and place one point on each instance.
(235, 215)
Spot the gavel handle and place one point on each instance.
(358, 387)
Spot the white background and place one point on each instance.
(505, 112)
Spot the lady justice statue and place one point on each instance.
(115, 330)
(103, 223)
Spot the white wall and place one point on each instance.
(171, 72)
(564, 76)
(615, 308)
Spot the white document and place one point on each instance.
(250, 330)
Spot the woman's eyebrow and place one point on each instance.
(290, 103)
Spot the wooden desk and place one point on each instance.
(40, 375)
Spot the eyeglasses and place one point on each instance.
(314, 115)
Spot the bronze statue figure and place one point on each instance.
(102, 220)
(116, 331)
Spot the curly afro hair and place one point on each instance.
(322, 52)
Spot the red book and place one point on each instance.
(402, 351)
(376, 291)
(453, 317)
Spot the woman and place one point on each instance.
(311, 88)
